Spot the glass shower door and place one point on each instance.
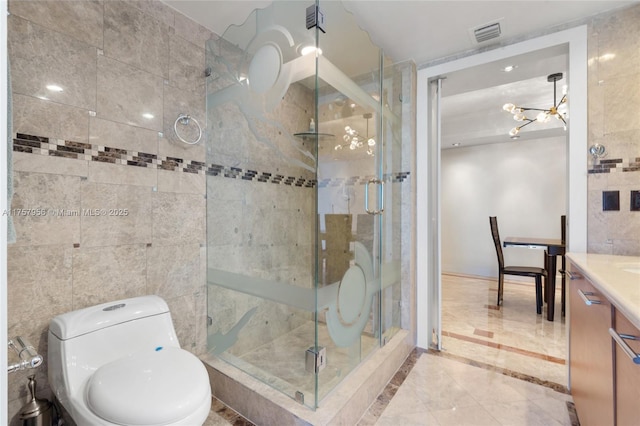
(395, 164)
(349, 197)
(261, 198)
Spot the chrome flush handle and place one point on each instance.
(619, 338)
(573, 275)
(586, 300)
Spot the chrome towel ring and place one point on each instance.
(185, 119)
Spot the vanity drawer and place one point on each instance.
(627, 373)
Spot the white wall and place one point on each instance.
(523, 183)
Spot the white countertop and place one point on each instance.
(617, 277)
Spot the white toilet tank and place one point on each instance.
(82, 341)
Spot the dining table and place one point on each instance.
(554, 247)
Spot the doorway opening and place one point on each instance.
(448, 187)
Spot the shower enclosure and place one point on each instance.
(305, 193)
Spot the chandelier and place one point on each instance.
(544, 115)
(354, 140)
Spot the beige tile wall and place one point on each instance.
(614, 121)
(115, 60)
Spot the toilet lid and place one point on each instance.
(155, 387)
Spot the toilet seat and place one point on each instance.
(149, 388)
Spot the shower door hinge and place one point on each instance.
(315, 361)
(315, 18)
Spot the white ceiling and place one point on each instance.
(421, 30)
(430, 31)
(472, 101)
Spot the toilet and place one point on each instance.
(120, 363)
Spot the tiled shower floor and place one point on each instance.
(281, 363)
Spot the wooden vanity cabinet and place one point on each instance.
(591, 352)
(627, 375)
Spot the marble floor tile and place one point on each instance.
(471, 416)
(522, 413)
(476, 396)
(500, 365)
(221, 415)
(512, 337)
(409, 419)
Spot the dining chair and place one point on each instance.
(522, 271)
(563, 265)
(563, 236)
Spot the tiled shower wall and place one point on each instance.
(261, 225)
(614, 121)
(117, 202)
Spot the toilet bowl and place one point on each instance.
(120, 363)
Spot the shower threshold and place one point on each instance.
(281, 363)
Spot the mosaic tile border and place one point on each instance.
(616, 165)
(90, 152)
(361, 180)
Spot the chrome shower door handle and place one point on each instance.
(380, 196)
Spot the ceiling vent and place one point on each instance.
(486, 32)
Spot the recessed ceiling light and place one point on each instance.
(54, 88)
(515, 137)
(310, 49)
(147, 115)
(509, 68)
(455, 144)
(607, 57)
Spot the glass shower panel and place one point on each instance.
(349, 195)
(398, 105)
(261, 192)
(299, 171)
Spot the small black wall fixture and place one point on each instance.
(635, 201)
(610, 200)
